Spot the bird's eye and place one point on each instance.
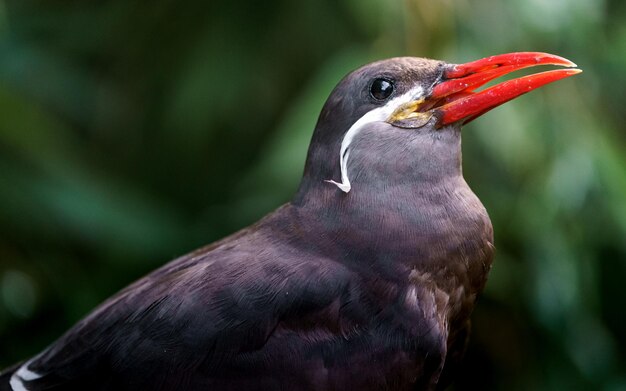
(381, 89)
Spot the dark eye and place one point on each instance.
(381, 89)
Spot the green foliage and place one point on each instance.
(133, 132)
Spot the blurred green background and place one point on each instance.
(134, 131)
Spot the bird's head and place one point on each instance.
(398, 121)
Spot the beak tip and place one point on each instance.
(569, 64)
(551, 59)
(572, 72)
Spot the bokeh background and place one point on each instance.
(134, 131)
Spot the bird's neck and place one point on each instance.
(430, 228)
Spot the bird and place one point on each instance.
(365, 280)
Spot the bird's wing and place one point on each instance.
(197, 312)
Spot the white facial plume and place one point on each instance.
(379, 114)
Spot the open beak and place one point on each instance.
(454, 99)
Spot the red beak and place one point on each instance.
(455, 96)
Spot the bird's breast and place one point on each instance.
(436, 234)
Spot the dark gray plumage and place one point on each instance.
(369, 289)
